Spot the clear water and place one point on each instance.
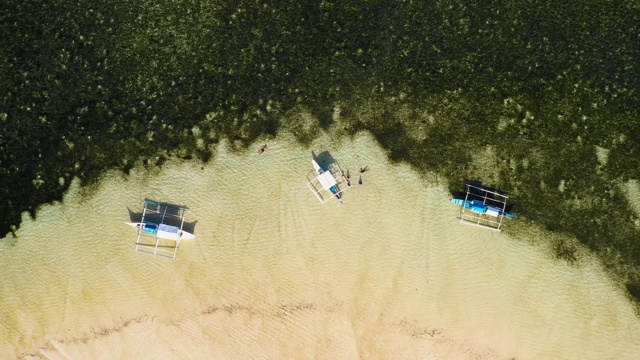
(275, 274)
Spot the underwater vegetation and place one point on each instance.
(538, 99)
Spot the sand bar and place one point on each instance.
(274, 274)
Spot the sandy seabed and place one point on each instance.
(273, 274)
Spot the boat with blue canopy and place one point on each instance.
(483, 207)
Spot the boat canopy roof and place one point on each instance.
(326, 180)
(168, 228)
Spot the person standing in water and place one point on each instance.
(346, 178)
(362, 171)
(263, 149)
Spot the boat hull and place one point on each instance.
(480, 207)
(163, 231)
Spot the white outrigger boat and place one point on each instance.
(326, 184)
(161, 229)
(164, 231)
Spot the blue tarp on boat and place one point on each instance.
(150, 228)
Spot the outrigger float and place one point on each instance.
(161, 229)
(483, 207)
(328, 183)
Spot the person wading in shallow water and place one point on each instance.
(347, 177)
(263, 149)
(362, 171)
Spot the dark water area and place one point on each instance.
(87, 87)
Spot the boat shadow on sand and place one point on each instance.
(323, 159)
(172, 209)
(327, 162)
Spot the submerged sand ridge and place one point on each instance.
(275, 274)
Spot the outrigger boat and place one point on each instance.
(164, 231)
(326, 181)
(161, 229)
(480, 207)
(483, 207)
